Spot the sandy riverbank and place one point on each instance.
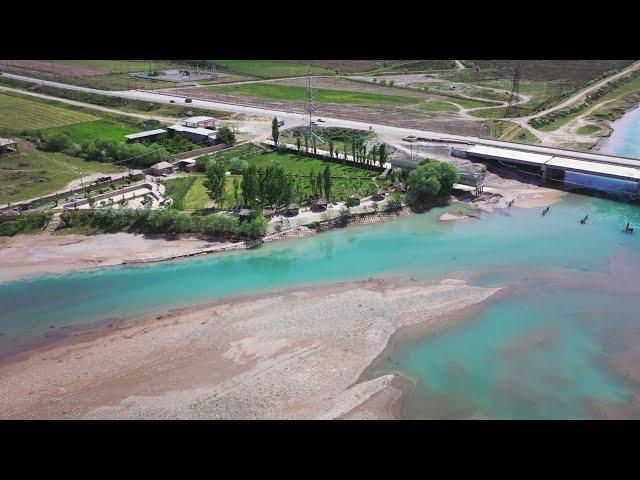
(295, 354)
(24, 256)
(27, 255)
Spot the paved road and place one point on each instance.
(297, 119)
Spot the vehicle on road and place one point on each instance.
(315, 124)
(172, 101)
(187, 100)
(281, 123)
(320, 120)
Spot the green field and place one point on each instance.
(270, 68)
(437, 106)
(589, 129)
(96, 130)
(322, 95)
(36, 173)
(121, 66)
(17, 113)
(511, 132)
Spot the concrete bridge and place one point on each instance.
(550, 160)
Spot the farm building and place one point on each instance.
(197, 135)
(8, 147)
(143, 137)
(162, 168)
(200, 122)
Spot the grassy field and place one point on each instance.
(19, 113)
(589, 129)
(90, 131)
(437, 106)
(360, 181)
(121, 66)
(36, 173)
(322, 95)
(583, 146)
(511, 132)
(271, 68)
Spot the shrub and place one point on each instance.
(56, 143)
(352, 202)
(25, 223)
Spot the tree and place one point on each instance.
(327, 183)
(382, 154)
(215, 182)
(275, 130)
(236, 190)
(250, 185)
(315, 151)
(298, 142)
(147, 201)
(306, 142)
(319, 180)
(226, 135)
(430, 180)
(331, 148)
(57, 142)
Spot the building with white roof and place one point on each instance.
(197, 135)
(148, 136)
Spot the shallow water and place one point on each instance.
(625, 138)
(541, 350)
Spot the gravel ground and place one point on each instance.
(297, 354)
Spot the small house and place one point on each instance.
(268, 213)
(293, 209)
(162, 168)
(198, 135)
(378, 195)
(319, 205)
(8, 147)
(187, 165)
(245, 214)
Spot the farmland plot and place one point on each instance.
(22, 114)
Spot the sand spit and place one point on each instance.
(296, 354)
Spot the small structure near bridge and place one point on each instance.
(472, 179)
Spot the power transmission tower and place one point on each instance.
(314, 130)
(513, 106)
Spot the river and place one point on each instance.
(550, 347)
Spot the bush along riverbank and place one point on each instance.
(167, 222)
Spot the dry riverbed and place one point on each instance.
(295, 354)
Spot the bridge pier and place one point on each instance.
(546, 173)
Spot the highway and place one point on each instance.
(298, 119)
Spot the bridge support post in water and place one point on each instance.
(546, 173)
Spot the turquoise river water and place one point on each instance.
(547, 347)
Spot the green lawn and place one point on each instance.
(271, 68)
(437, 106)
(36, 173)
(18, 113)
(90, 131)
(322, 95)
(121, 66)
(589, 129)
(510, 131)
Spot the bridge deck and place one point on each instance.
(608, 166)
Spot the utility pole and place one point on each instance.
(513, 106)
